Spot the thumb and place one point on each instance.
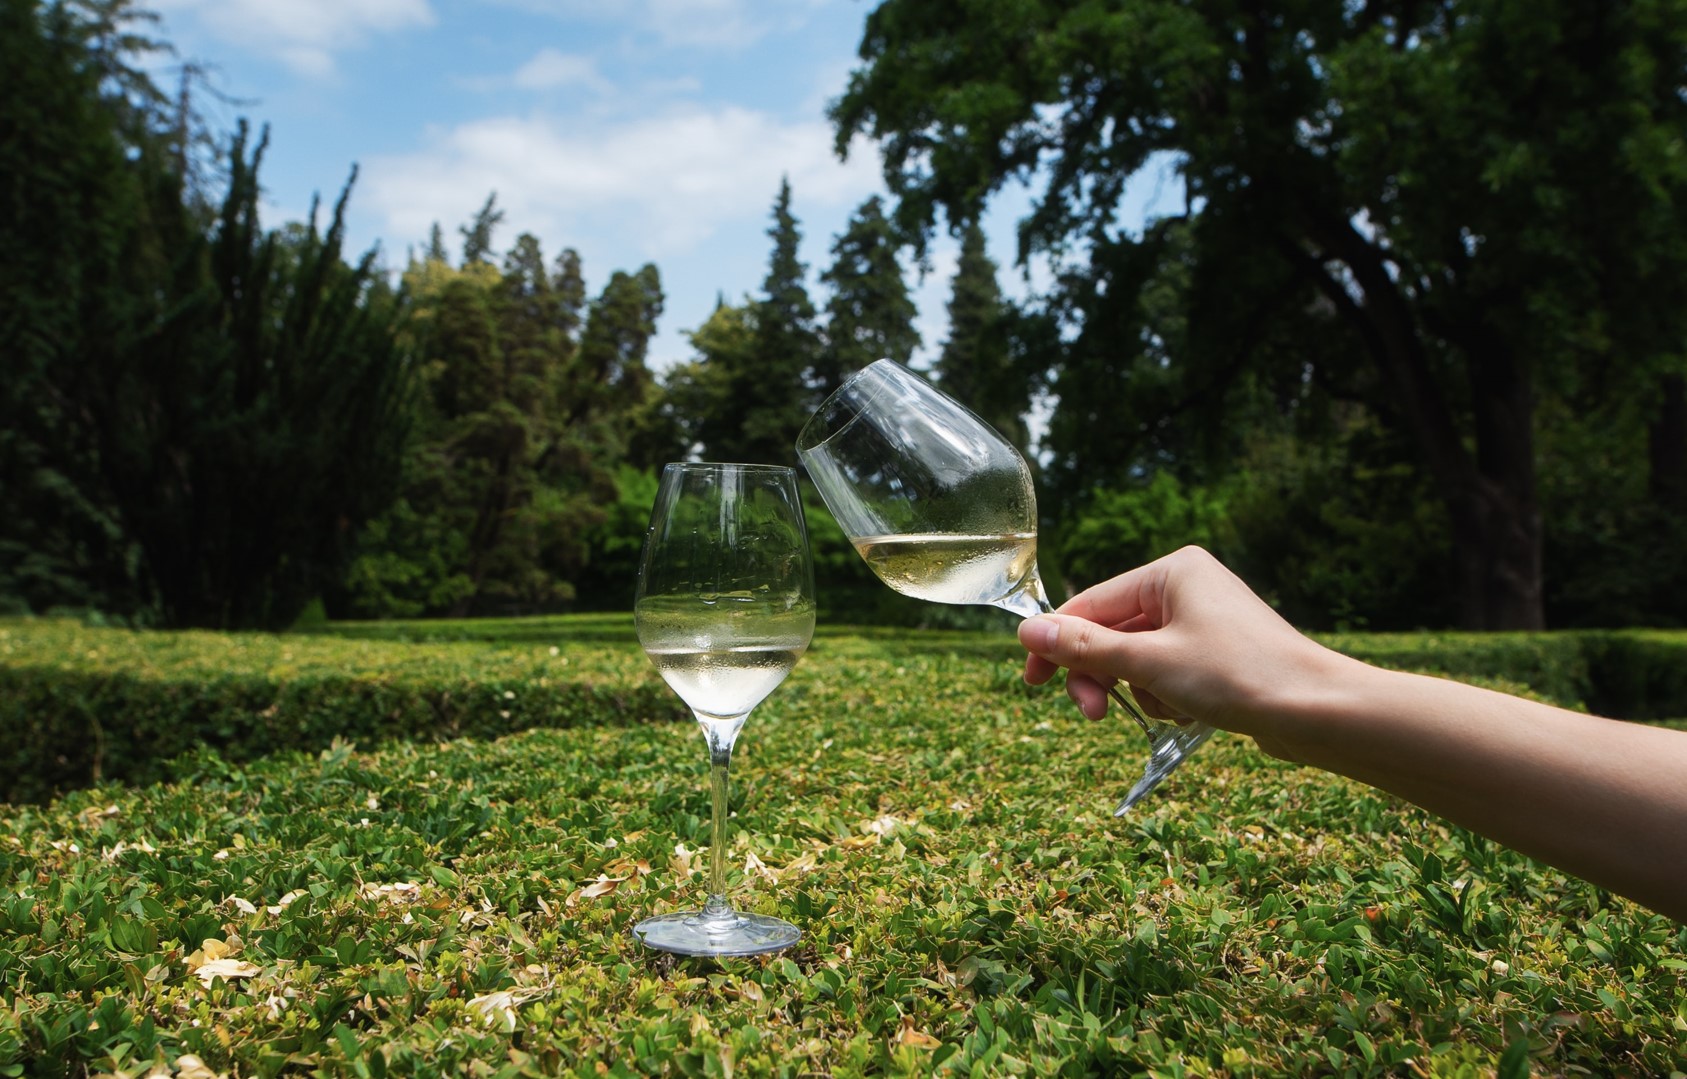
(1077, 644)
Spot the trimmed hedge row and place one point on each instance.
(82, 705)
(88, 704)
(1625, 674)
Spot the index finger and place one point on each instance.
(1132, 600)
(1038, 670)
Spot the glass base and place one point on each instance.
(1171, 745)
(695, 932)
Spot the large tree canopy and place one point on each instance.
(1443, 212)
(196, 414)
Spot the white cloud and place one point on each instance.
(714, 24)
(668, 183)
(304, 34)
(708, 23)
(551, 68)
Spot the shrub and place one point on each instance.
(1555, 665)
(84, 704)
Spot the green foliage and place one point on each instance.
(477, 234)
(1635, 673)
(940, 832)
(977, 364)
(626, 410)
(1129, 527)
(787, 342)
(410, 561)
(615, 545)
(199, 415)
(1384, 206)
(703, 392)
(277, 395)
(1335, 533)
(1340, 533)
(748, 395)
(869, 315)
(1613, 532)
(72, 211)
(90, 704)
(531, 400)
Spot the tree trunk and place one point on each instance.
(1500, 504)
(1497, 544)
(1493, 504)
(1667, 443)
(1491, 496)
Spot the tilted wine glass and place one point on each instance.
(725, 607)
(942, 508)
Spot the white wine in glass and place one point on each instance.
(943, 568)
(943, 509)
(725, 608)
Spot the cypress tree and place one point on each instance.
(977, 364)
(771, 395)
(870, 315)
(477, 234)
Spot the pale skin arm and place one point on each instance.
(1602, 799)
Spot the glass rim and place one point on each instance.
(725, 466)
(805, 443)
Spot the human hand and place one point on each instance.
(1192, 640)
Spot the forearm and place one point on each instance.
(1602, 799)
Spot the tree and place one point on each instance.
(1483, 197)
(616, 390)
(569, 283)
(870, 315)
(704, 392)
(977, 364)
(477, 234)
(612, 375)
(204, 413)
(71, 208)
(529, 411)
(747, 394)
(249, 432)
(500, 483)
(436, 246)
(772, 396)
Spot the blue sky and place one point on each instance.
(631, 130)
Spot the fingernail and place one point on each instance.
(1039, 634)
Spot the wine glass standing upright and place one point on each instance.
(942, 508)
(725, 606)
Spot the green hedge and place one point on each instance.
(1554, 665)
(82, 704)
(1626, 674)
(1637, 674)
(86, 704)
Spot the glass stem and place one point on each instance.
(721, 734)
(1030, 599)
(719, 785)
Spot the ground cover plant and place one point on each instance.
(427, 905)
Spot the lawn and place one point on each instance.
(432, 905)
